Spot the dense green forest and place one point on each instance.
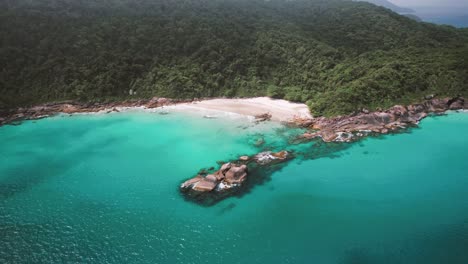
(336, 55)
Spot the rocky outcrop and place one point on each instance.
(352, 127)
(70, 107)
(229, 176)
(268, 157)
(263, 117)
(207, 188)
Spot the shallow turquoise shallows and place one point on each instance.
(104, 189)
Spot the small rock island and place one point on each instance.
(210, 187)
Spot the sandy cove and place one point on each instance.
(276, 110)
(341, 128)
(209, 187)
(280, 110)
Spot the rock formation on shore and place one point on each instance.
(69, 107)
(231, 177)
(352, 127)
(263, 117)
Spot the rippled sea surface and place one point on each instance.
(103, 189)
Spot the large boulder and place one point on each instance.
(457, 103)
(416, 108)
(329, 135)
(438, 105)
(189, 183)
(227, 177)
(236, 175)
(204, 185)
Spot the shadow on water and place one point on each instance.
(261, 174)
(302, 151)
(20, 178)
(227, 208)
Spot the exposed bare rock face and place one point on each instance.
(352, 127)
(208, 188)
(229, 176)
(268, 157)
(69, 107)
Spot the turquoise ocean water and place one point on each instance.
(103, 189)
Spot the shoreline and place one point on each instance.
(258, 108)
(231, 178)
(280, 110)
(209, 187)
(355, 126)
(346, 128)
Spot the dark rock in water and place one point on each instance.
(210, 117)
(259, 142)
(214, 186)
(230, 178)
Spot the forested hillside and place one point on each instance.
(389, 5)
(338, 56)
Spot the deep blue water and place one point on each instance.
(103, 189)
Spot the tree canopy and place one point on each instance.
(336, 55)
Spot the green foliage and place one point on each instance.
(338, 56)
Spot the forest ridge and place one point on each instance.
(338, 56)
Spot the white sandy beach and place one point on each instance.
(280, 110)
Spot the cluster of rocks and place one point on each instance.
(230, 177)
(69, 107)
(352, 127)
(268, 157)
(263, 117)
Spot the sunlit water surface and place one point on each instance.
(103, 189)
